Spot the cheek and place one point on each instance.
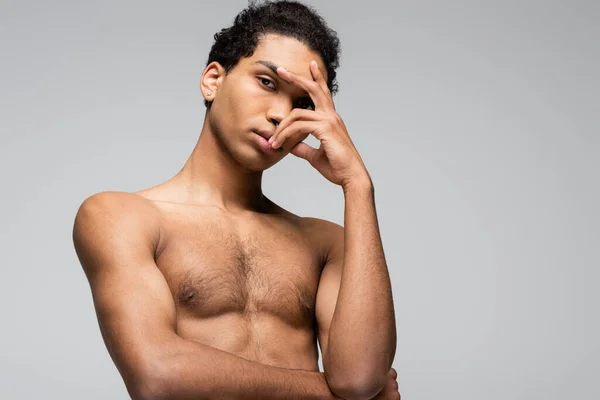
(225, 110)
(244, 98)
(238, 106)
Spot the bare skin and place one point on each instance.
(243, 282)
(206, 289)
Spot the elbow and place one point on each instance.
(356, 386)
(147, 388)
(150, 382)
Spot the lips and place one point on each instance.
(266, 134)
(262, 139)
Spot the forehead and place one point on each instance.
(286, 52)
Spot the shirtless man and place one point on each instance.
(203, 287)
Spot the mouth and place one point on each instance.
(262, 138)
(265, 134)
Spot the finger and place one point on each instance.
(318, 96)
(304, 151)
(320, 78)
(297, 114)
(298, 127)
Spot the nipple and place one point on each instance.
(186, 296)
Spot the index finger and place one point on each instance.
(312, 87)
(318, 76)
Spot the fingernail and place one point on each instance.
(314, 63)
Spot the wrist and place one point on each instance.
(358, 184)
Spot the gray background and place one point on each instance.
(476, 121)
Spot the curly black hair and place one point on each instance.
(288, 18)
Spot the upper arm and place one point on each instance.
(115, 236)
(329, 284)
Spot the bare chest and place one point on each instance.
(216, 266)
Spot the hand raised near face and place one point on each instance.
(336, 158)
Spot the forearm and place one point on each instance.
(362, 336)
(198, 372)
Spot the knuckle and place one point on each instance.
(332, 120)
(295, 114)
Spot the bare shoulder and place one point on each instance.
(327, 235)
(318, 226)
(116, 207)
(106, 218)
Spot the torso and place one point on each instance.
(245, 283)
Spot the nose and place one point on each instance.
(278, 110)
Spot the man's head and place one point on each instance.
(242, 91)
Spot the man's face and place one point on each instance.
(252, 99)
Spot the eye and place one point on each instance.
(266, 82)
(305, 104)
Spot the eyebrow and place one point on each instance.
(268, 64)
(273, 68)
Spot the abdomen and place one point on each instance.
(261, 338)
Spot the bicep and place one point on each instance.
(131, 297)
(325, 304)
(329, 287)
(135, 312)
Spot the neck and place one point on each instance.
(212, 176)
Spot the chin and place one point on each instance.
(254, 159)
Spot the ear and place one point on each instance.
(211, 80)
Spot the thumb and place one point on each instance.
(302, 150)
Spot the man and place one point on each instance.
(203, 287)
